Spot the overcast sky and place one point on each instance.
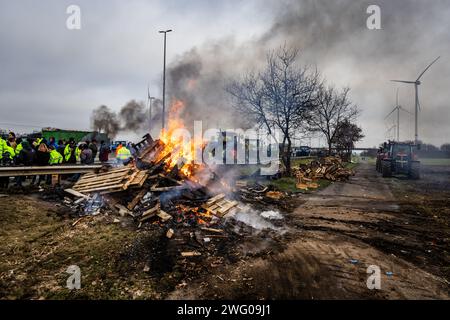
(52, 76)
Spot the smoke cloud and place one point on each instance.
(333, 36)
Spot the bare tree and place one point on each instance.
(104, 120)
(332, 108)
(279, 97)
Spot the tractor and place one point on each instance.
(396, 158)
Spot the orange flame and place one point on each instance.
(178, 150)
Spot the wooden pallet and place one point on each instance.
(115, 180)
(219, 206)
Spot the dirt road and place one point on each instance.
(335, 236)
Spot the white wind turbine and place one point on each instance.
(397, 108)
(416, 84)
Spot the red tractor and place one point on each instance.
(398, 158)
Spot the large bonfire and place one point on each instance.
(179, 148)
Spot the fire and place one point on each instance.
(193, 215)
(178, 150)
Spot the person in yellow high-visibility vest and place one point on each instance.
(69, 152)
(37, 142)
(78, 153)
(123, 155)
(19, 146)
(55, 157)
(7, 160)
(8, 150)
(2, 146)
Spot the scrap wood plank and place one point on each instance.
(101, 179)
(84, 180)
(222, 211)
(162, 189)
(219, 206)
(212, 230)
(136, 199)
(140, 179)
(75, 193)
(215, 199)
(94, 175)
(164, 216)
(129, 180)
(191, 254)
(106, 189)
(152, 211)
(98, 183)
(105, 173)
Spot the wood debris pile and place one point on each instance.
(328, 168)
(150, 191)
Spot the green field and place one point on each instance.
(435, 162)
(424, 161)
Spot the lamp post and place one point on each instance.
(164, 80)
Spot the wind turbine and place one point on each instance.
(388, 132)
(397, 108)
(149, 101)
(416, 84)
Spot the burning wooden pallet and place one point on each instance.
(153, 189)
(115, 180)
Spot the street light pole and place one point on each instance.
(164, 80)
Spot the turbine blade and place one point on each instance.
(402, 81)
(404, 110)
(426, 69)
(390, 113)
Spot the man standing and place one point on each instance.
(94, 148)
(69, 152)
(104, 151)
(41, 159)
(25, 157)
(86, 155)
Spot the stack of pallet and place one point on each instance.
(115, 180)
(329, 168)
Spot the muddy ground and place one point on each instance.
(320, 250)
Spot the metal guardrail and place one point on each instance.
(34, 171)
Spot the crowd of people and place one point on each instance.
(39, 151)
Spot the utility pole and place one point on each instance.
(398, 123)
(164, 80)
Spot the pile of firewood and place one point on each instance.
(329, 168)
(150, 191)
